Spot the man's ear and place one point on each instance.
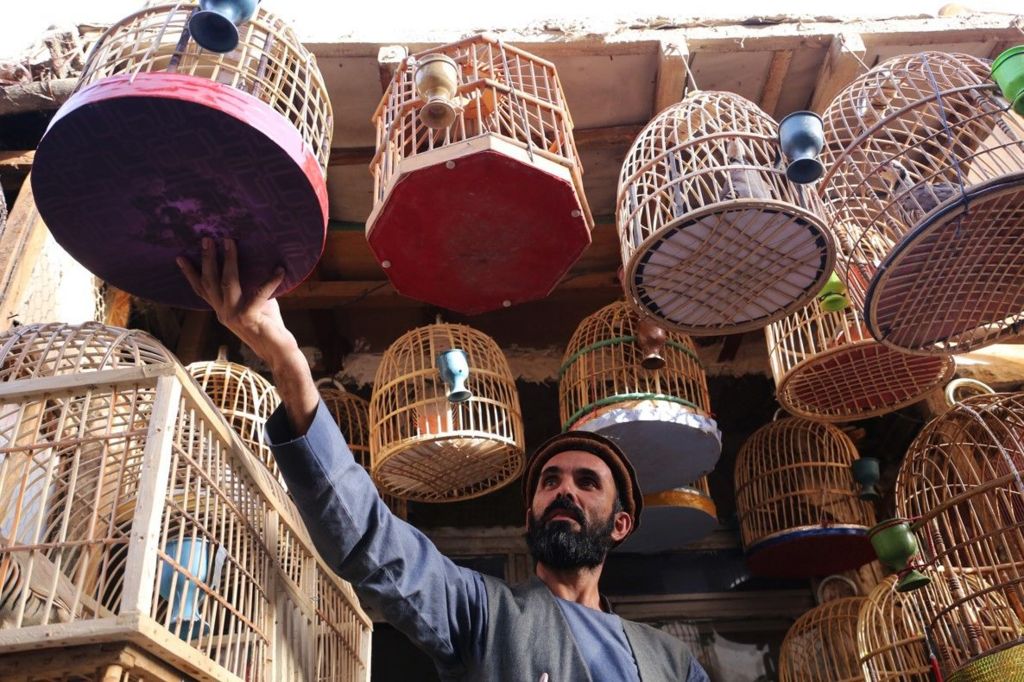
(622, 527)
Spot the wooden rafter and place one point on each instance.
(842, 64)
(777, 71)
(671, 81)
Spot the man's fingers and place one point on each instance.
(267, 289)
(211, 273)
(192, 276)
(231, 290)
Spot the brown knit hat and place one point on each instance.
(606, 449)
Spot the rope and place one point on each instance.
(949, 138)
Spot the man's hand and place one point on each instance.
(256, 320)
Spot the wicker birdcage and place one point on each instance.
(827, 366)
(674, 519)
(822, 644)
(245, 399)
(629, 380)
(715, 239)
(131, 514)
(352, 414)
(962, 481)
(508, 140)
(424, 446)
(797, 503)
(924, 191)
(196, 144)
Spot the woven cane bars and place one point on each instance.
(426, 448)
(132, 513)
(924, 193)
(352, 414)
(962, 481)
(796, 501)
(827, 366)
(822, 644)
(714, 239)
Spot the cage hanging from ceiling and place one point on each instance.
(352, 415)
(245, 399)
(962, 481)
(925, 191)
(130, 513)
(624, 377)
(714, 238)
(164, 142)
(673, 519)
(445, 422)
(796, 501)
(822, 644)
(486, 208)
(827, 366)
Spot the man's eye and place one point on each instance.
(548, 482)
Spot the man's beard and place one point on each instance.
(557, 545)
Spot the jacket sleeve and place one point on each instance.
(393, 567)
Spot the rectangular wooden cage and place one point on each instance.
(140, 540)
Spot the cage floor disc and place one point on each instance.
(734, 268)
(956, 282)
(447, 468)
(669, 445)
(132, 173)
(480, 231)
(1005, 665)
(860, 379)
(672, 520)
(810, 552)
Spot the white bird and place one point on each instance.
(744, 182)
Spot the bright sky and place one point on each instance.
(381, 20)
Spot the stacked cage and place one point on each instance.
(822, 644)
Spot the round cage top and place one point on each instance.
(245, 399)
(827, 366)
(797, 503)
(673, 519)
(192, 144)
(445, 422)
(715, 239)
(43, 350)
(352, 414)
(822, 644)
(507, 136)
(963, 480)
(924, 191)
(628, 379)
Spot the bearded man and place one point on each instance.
(581, 498)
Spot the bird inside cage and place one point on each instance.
(31, 577)
(914, 196)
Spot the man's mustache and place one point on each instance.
(563, 505)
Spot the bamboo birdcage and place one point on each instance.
(962, 482)
(526, 220)
(245, 399)
(674, 519)
(715, 239)
(661, 417)
(822, 644)
(425, 448)
(925, 166)
(252, 127)
(797, 502)
(352, 414)
(132, 516)
(827, 366)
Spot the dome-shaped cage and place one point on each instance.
(963, 483)
(674, 519)
(827, 366)
(507, 134)
(352, 414)
(426, 448)
(822, 644)
(245, 399)
(715, 239)
(198, 144)
(924, 191)
(126, 507)
(797, 504)
(627, 379)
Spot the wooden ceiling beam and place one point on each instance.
(670, 86)
(388, 59)
(841, 65)
(777, 72)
